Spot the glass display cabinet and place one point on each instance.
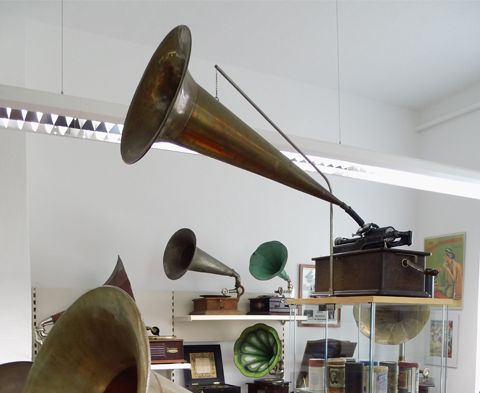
(407, 351)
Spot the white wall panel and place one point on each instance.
(15, 308)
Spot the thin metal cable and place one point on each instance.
(264, 115)
(61, 52)
(338, 76)
(216, 85)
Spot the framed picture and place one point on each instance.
(317, 315)
(206, 364)
(448, 257)
(434, 354)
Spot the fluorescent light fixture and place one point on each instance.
(400, 171)
(332, 159)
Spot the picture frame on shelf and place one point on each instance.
(448, 257)
(206, 364)
(434, 342)
(317, 316)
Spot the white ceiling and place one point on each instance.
(407, 53)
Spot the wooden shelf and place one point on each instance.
(171, 366)
(375, 299)
(191, 318)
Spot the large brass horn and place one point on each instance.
(170, 106)
(394, 324)
(98, 346)
(182, 254)
(118, 278)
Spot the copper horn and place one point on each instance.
(13, 376)
(118, 278)
(170, 106)
(99, 345)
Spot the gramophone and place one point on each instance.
(182, 254)
(268, 261)
(257, 353)
(169, 106)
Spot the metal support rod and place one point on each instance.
(372, 344)
(270, 121)
(350, 211)
(292, 339)
(443, 358)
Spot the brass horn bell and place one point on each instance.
(169, 106)
(98, 346)
(13, 376)
(118, 278)
(394, 324)
(182, 254)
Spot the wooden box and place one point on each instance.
(381, 271)
(222, 305)
(269, 305)
(166, 350)
(267, 387)
(206, 374)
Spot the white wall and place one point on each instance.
(454, 142)
(15, 299)
(87, 206)
(106, 69)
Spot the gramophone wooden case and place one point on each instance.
(223, 305)
(166, 350)
(381, 271)
(206, 373)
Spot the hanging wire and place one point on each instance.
(338, 76)
(216, 85)
(264, 115)
(61, 51)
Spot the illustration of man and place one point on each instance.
(453, 275)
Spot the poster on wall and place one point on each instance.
(448, 257)
(316, 315)
(438, 328)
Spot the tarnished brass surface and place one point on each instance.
(394, 324)
(98, 345)
(182, 254)
(13, 376)
(118, 278)
(170, 106)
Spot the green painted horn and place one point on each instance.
(269, 261)
(257, 351)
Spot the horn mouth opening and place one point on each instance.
(268, 260)
(97, 345)
(156, 94)
(179, 252)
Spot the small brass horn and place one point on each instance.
(182, 254)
